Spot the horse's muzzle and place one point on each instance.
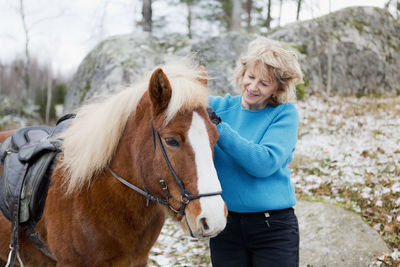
(209, 222)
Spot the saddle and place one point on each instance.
(27, 159)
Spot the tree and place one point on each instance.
(249, 7)
(49, 95)
(236, 15)
(329, 67)
(147, 16)
(280, 12)
(227, 8)
(269, 17)
(394, 7)
(189, 18)
(25, 71)
(299, 2)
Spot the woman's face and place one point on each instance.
(257, 89)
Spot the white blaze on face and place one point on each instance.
(212, 207)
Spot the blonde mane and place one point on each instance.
(91, 140)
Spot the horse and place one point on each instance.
(4, 135)
(122, 158)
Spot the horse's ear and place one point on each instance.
(203, 81)
(160, 91)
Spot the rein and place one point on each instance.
(186, 196)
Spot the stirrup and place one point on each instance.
(10, 255)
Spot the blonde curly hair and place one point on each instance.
(275, 62)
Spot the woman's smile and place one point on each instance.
(257, 89)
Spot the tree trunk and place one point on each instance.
(249, 7)
(236, 15)
(329, 67)
(189, 19)
(49, 91)
(147, 16)
(299, 2)
(26, 67)
(280, 12)
(227, 9)
(269, 18)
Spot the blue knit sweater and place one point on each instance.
(252, 152)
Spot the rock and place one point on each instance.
(14, 113)
(365, 45)
(333, 236)
(119, 61)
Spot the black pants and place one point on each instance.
(257, 240)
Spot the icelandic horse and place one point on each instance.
(158, 137)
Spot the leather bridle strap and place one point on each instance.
(186, 196)
(148, 196)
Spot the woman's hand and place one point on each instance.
(213, 116)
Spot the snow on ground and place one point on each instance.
(348, 153)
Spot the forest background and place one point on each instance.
(42, 42)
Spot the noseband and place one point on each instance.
(186, 196)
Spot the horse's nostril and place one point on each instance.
(203, 222)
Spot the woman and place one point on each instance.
(257, 136)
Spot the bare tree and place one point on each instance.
(102, 22)
(280, 12)
(395, 6)
(25, 71)
(299, 2)
(227, 13)
(329, 67)
(147, 16)
(189, 5)
(249, 7)
(236, 15)
(387, 4)
(269, 17)
(49, 90)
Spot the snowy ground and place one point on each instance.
(348, 153)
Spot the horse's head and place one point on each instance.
(180, 144)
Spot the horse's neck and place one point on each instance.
(128, 164)
(107, 205)
(127, 159)
(112, 197)
(135, 148)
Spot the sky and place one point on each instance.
(63, 32)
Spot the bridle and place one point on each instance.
(186, 196)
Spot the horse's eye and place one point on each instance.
(172, 141)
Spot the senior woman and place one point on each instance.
(257, 136)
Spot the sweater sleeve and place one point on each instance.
(273, 151)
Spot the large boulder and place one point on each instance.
(14, 113)
(333, 236)
(364, 41)
(119, 61)
(365, 47)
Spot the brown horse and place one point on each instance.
(5, 134)
(157, 136)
